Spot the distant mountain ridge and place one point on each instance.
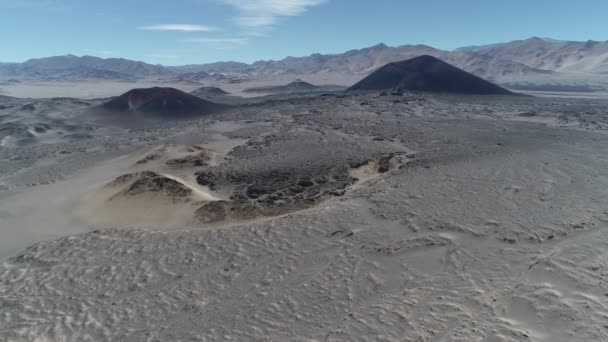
(558, 56)
(511, 62)
(534, 56)
(364, 61)
(85, 67)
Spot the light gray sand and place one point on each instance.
(494, 228)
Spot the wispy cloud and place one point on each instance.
(264, 13)
(178, 27)
(234, 41)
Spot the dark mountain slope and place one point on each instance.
(427, 73)
(159, 103)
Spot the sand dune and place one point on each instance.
(163, 191)
(144, 198)
(178, 156)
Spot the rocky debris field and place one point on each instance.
(337, 217)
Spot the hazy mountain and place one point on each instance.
(535, 60)
(190, 77)
(72, 67)
(361, 62)
(9, 69)
(194, 76)
(427, 73)
(218, 67)
(477, 48)
(84, 74)
(555, 55)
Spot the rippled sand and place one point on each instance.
(489, 222)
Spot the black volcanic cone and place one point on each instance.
(427, 73)
(160, 103)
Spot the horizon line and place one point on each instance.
(548, 39)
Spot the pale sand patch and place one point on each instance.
(163, 191)
(103, 208)
(49, 211)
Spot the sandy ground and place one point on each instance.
(83, 90)
(100, 89)
(562, 95)
(492, 227)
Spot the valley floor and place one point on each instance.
(492, 227)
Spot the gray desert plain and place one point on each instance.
(384, 194)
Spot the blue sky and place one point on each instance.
(200, 31)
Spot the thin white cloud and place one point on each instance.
(178, 27)
(233, 41)
(253, 21)
(264, 13)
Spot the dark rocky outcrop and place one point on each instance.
(159, 103)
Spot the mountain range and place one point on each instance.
(559, 56)
(532, 60)
(70, 67)
(366, 60)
